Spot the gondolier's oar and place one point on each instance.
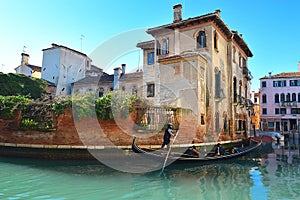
(167, 156)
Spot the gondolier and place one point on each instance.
(169, 131)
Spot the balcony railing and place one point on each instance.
(242, 101)
(247, 73)
(288, 103)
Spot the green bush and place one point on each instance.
(19, 84)
(8, 104)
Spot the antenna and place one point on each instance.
(81, 38)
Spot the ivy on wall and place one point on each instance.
(40, 114)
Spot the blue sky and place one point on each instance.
(270, 27)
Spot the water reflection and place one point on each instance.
(272, 173)
(258, 190)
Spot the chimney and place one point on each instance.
(298, 66)
(270, 74)
(116, 78)
(123, 69)
(218, 12)
(177, 13)
(24, 59)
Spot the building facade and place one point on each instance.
(201, 65)
(279, 100)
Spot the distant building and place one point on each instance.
(200, 57)
(279, 100)
(63, 66)
(28, 69)
(255, 117)
(129, 82)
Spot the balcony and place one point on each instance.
(288, 103)
(247, 74)
(243, 102)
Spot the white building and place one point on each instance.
(63, 66)
(28, 69)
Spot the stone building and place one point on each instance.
(201, 65)
(279, 100)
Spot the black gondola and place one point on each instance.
(234, 150)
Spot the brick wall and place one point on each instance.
(89, 131)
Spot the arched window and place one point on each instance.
(294, 97)
(282, 99)
(165, 47)
(288, 97)
(276, 98)
(216, 37)
(201, 39)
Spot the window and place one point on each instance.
(276, 98)
(283, 111)
(295, 111)
(134, 90)
(218, 84)
(270, 124)
(150, 58)
(216, 39)
(158, 48)
(282, 99)
(240, 60)
(244, 62)
(224, 121)
(288, 97)
(150, 90)
(201, 40)
(234, 90)
(264, 98)
(294, 97)
(165, 47)
(87, 64)
(202, 119)
(217, 122)
(264, 111)
(298, 97)
(101, 92)
(279, 83)
(292, 82)
(277, 111)
(263, 84)
(123, 88)
(255, 99)
(233, 53)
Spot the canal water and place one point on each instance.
(273, 174)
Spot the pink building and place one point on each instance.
(280, 101)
